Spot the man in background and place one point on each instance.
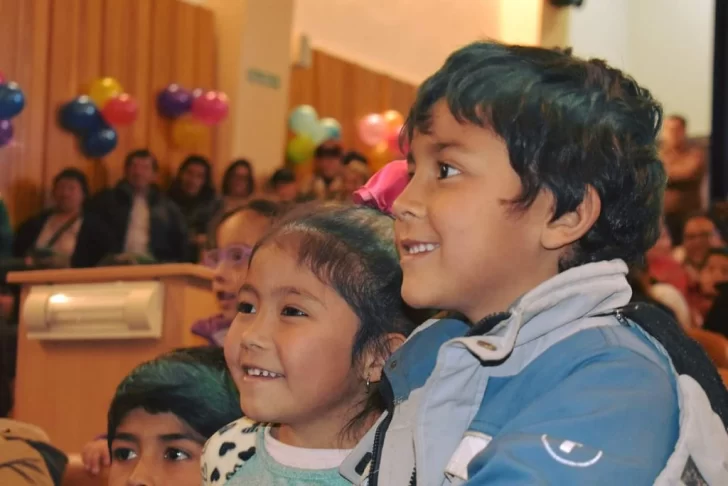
(146, 224)
(686, 169)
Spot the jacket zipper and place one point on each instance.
(413, 479)
(388, 394)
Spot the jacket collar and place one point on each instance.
(580, 292)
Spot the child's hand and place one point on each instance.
(95, 455)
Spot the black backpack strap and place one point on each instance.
(688, 357)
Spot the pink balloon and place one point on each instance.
(393, 143)
(372, 129)
(210, 107)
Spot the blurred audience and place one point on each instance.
(326, 183)
(194, 194)
(65, 235)
(284, 186)
(686, 168)
(699, 236)
(143, 221)
(238, 184)
(354, 175)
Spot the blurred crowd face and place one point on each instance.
(68, 195)
(193, 178)
(353, 177)
(239, 185)
(328, 164)
(673, 132)
(141, 173)
(699, 236)
(714, 272)
(286, 191)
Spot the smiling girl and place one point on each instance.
(307, 347)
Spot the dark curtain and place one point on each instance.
(719, 132)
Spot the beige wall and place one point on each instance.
(254, 36)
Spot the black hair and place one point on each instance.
(351, 249)
(719, 251)
(75, 175)
(263, 207)
(192, 383)
(282, 176)
(568, 124)
(207, 191)
(140, 154)
(353, 155)
(327, 150)
(230, 172)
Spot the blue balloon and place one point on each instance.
(12, 100)
(81, 116)
(99, 143)
(303, 120)
(333, 128)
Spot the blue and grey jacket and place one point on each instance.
(562, 389)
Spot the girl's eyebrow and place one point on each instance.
(246, 287)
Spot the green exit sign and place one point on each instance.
(270, 80)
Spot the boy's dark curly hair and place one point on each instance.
(568, 123)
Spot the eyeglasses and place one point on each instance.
(234, 254)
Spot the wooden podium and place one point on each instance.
(64, 385)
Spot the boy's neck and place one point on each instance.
(492, 301)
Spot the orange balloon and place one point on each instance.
(394, 120)
(380, 156)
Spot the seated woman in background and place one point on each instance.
(193, 193)
(66, 235)
(238, 185)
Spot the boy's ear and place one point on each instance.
(571, 226)
(374, 361)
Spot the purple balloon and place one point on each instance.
(6, 132)
(174, 101)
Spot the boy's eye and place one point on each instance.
(292, 312)
(173, 454)
(446, 170)
(123, 454)
(246, 308)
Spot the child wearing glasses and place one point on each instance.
(235, 236)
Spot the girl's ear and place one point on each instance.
(374, 360)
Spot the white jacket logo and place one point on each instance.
(567, 447)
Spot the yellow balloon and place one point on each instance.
(379, 156)
(394, 119)
(188, 133)
(103, 89)
(300, 149)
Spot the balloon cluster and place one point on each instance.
(381, 131)
(92, 116)
(192, 111)
(310, 132)
(12, 102)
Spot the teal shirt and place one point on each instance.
(262, 470)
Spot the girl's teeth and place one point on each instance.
(421, 248)
(264, 373)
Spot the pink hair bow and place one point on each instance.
(384, 187)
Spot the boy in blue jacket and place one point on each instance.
(535, 179)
